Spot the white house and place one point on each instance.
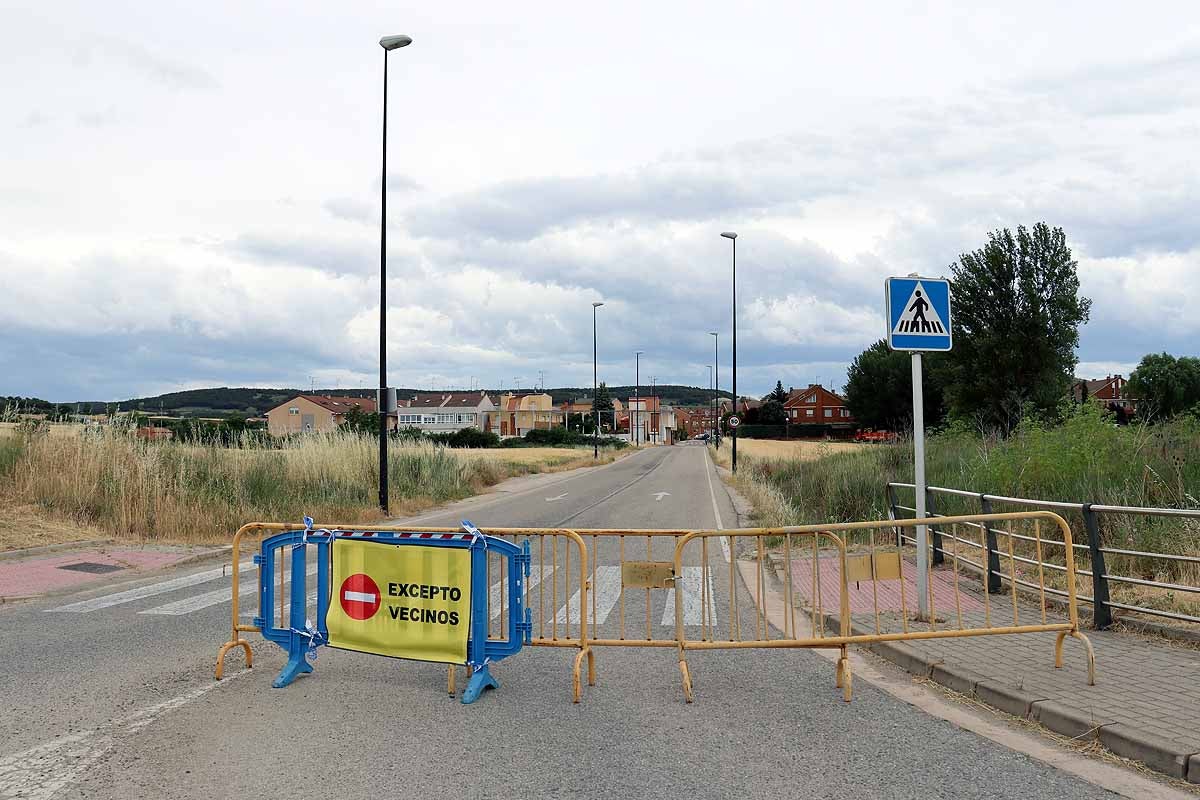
(446, 412)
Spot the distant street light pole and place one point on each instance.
(595, 388)
(716, 402)
(710, 397)
(733, 238)
(388, 43)
(637, 391)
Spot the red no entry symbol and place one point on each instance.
(359, 596)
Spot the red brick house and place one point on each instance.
(818, 407)
(1109, 392)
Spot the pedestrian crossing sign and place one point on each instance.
(918, 314)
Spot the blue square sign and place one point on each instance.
(918, 314)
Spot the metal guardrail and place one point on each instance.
(1101, 601)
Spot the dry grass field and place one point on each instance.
(794, 449)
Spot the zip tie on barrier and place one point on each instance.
(475, 533)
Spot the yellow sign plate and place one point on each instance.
(406, 601)
(648, 574)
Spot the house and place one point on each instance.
(518, 414)
(446, 412)
(609, 420)
(1109, 392)
(647, 420)
(308, 413)
(818, 407)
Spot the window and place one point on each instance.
(428, 420)
(845, 412)
(829, 412)
(293, 410)
(808, 412)
(812, 398)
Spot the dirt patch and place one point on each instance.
(24, 526)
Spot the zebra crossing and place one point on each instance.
(607, 592)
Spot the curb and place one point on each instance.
(25, 552)
(1162, 755)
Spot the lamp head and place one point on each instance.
(597, 305)
(395, 42)
(712, 333)
(729, 235)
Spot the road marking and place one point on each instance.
(495, 595)
(607, 588)
(658, 496)
(191, 604)
(716, 511)
(693, 609)
(41, 772)
(120, 598)
(552, 499)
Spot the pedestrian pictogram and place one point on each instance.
(359, 596)
(918, 314)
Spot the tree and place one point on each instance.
(1017, 313)
(1165, 385)
(778, 394)
(879, 388)
(358, 421)
(772, 413)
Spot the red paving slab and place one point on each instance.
(38, 575)
(888, 594)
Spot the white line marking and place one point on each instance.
(692, 607)
(552, 499)
(106, 601)
(41, 772)
(716, 511)
(362, 597)
(189, 605)
(494, 594)
(608, 591)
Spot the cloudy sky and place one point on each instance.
(189, 193)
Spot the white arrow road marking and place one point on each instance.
(41, 772)
(97, 603)
(552, 499)
(190, 604)
(658, 496)
(608, 591)
(693, 609)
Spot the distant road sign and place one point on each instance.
(734, 422)
(918, 314)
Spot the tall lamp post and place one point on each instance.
(637, 391)
(733, 238)
(716, 403)
(710, 398)
(388, 43)
(595, 388)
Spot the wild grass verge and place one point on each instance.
(166, 491)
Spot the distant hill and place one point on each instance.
(225, 401)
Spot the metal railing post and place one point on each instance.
(891, 498)
(993, 553)
(939, 555)
(1102, 613)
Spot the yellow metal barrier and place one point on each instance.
(579, 578)
(867, 561)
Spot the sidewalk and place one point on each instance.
(1145, 704)
(40, 571)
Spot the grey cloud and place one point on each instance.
(168, 71)
(338, 256)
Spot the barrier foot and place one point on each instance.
(480, 679)
(224, 651)
(845, 680)
(591, 667)
(1091, 654)
(687, 680)
(296, 666)
(576, 675)
(451, 675)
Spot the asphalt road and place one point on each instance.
(109, 694)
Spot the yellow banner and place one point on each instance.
(407, 601)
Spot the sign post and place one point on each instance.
(918, 315)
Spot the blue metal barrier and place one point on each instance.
(300, 636)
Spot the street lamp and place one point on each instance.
(637, 391)
(388, 43)
(733, 238)
(716, 386)
(595, 388)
